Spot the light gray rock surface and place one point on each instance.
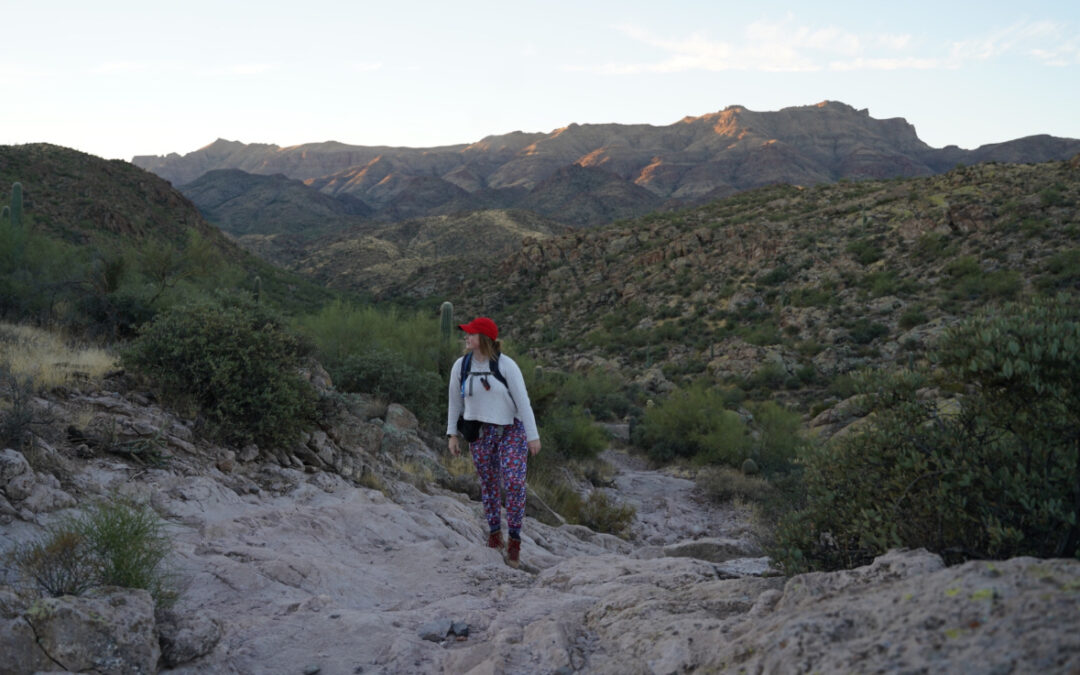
(287, 568)
(111, 632)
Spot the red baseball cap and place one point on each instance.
(483, 326)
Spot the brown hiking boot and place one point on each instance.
(495, 539)
(513, 553)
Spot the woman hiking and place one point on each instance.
(488, 404)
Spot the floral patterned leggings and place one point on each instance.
(499, 457)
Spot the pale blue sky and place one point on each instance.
(117, 79)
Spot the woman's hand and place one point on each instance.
(534, 447)
(454, 450)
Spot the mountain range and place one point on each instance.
(583, 174)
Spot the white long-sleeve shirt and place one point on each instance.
(494, 405)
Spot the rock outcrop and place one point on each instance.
(111, 632)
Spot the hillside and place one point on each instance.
(688, 162)
(415, 257)
(80, 197)
(786, 288)
(242, 203)
(114, 210)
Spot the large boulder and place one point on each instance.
(109, 633)
(186, 637)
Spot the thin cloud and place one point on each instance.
(1023, 36)
(246, 69)
(367, 67)
(120, 67)
(1067, 54)
(906, 63)
(785, 46)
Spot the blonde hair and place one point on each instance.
(489, 348)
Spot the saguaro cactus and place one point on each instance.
(446, 324)
(257, 291)
(5, 215)
(16, 204)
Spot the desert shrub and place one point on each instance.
(129, 545)
(603, 394)
(865, 251)
(36, 272)
(722, 484)
(776, 275)
(115, 542)
(778, 442)
(814, 296)
(601, 513)
(692, 422)
(994, 477)
(1052, 196)
(58, 564)
(112, 315)
(999, 285)
(1062, 271)
(933, 245)
(913, 316)
(574, 435)
(233, 360)
(385, 374)
(762, 333)
(340, 330)
(864, 331)
(963, 266)
(770, 376)
(18, 412)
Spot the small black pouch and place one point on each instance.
(469, 429)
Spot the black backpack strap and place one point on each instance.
(466, 365)
(499, 376)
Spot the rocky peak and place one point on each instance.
(713, 154)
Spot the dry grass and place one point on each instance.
(723, 484)
(47, 360)
(458, 466)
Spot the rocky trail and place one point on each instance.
(300, 570)
(345, 580)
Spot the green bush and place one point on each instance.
(693, 422)
(778, 442)
(999, 284)
(385, 374)
(865, 251)
(1062, 271)
(913, 316)
(573, 435)
(996, 476)
(814, 296)
(116, 542)
(233, 360)
(777, 275)
(340, 330)
(129, 545)
(864, 331)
